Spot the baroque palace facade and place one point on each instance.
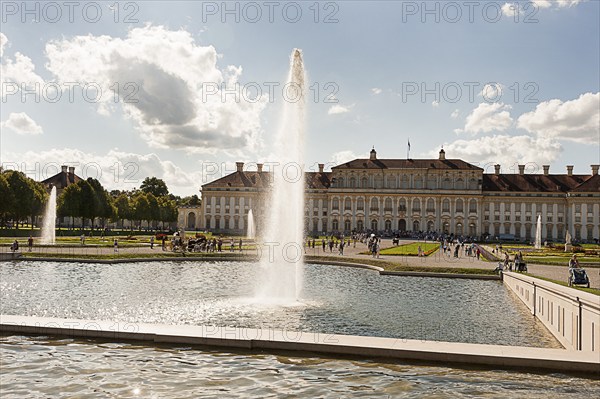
(391, 195)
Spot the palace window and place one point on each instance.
(388, 205)
(430, 205)
(459, 205)
(416, 205)
(446, 205)
(402, 205)
(360, 204)
(347, 204)
(473, 206)
(335, 204)
(374, 205)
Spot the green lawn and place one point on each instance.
(411, 249)
(594, 291)
(586, 261)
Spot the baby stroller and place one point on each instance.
(578, 276)
(520, 266)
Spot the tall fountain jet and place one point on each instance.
(251, 229)
(282, 258)
(538, 233)
(49, 226)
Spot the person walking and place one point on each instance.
(116, 245)
(30, 243)
(152, 242)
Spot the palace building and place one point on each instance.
(403, 195)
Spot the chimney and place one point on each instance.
(71, 170)
(570, 170)
(321, 167)
(239, 166)
(521, 169)
(497, 169)
(259, 167)
(373, 154)
(442, 154)
(546, 169)
(595, 169)
(63, 168)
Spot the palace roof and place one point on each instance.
(538, 183)
(449, 164)
(246, 179)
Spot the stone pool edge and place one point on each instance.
(434, 352)
(226, 258)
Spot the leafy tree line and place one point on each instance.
(88, 200)
(22, 197)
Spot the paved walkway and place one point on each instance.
(435, 260)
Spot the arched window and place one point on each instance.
(430, 225)
(418, 182)
(360, 204)
(378, 182)
(416, 205)
(430, 205)
(459, 229)
(360, 226)
(446, 205)
(335, 225)
(402, 205)
(191, 224)
(388, 225)
(315, 225)
(431, 182)
(473, 184)
(364, 182)
(388, 205)
(390, 182)
(459, 205)
(446, 183)
(339, 182)
(374, 205)
(472, 206)
(405, 182)
(416, 225)
(374, 224)
(335, 204)
(347, 225)
(460, 184)
(446, 227)
(352, 182)
(402, 225)
(347, 204)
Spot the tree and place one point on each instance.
(69, 202)
(153, 208)
(155, 186)
(102, 200)
(141, 208)
(123, 208)
(168, 210)
(7, 196)
(29, 196)
(192, 200)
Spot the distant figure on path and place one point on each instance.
(30, 243)
(152, 242)
(116, 245)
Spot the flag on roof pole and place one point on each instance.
(408, 152)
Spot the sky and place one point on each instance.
(182, 90)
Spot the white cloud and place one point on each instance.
(338, 109)
(503, 149)
(376, 91)
(542, 3)
(492, 92)
(510, 9)
(576, 120)
(340, 157)
(3, 42)
(131, 171)
(435, 103)
(455, 114)
(20, 71)
(487, 117)
(170, 78)
(21, 123)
